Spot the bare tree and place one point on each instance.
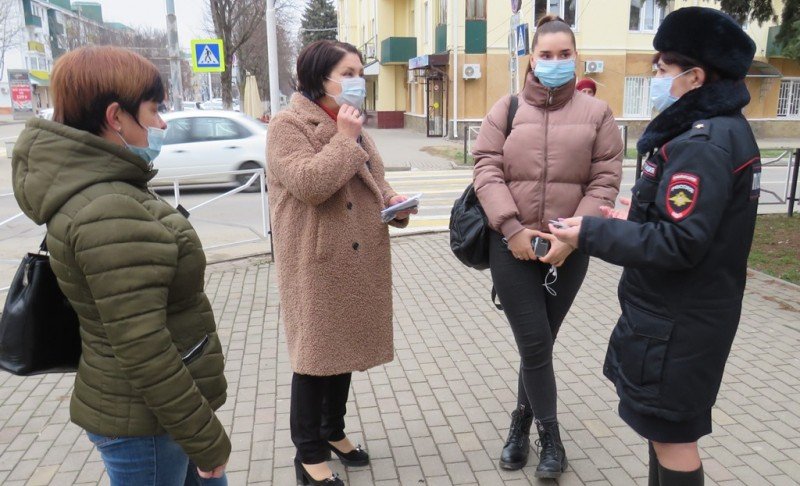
(10, 27)
(253, 55)
(234, 21)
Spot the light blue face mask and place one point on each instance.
(354, 91)
(155, 139)
(554, 73)
(660, 92)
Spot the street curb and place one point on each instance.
(457, 166)
(267, 254)
(396, 168)
(776, 279)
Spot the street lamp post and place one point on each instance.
(272, 60)
(176, 83)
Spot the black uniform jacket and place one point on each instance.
(684, 248)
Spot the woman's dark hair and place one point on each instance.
(315, 63)
(550, 24)
(685, 62)
(85, 81)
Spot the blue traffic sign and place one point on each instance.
(208, 56)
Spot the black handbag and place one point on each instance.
(39, 330)
(469, 228)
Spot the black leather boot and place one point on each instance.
(552, 457)
(518, 444)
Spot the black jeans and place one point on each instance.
(316, 416)
(535, 317)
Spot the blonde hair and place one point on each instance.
(85, 81)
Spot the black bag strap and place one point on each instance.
(512, 111)
(494, 297)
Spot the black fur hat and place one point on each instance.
(708, 36)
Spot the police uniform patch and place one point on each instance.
(682, 193)
(650, 170)
(755, 187)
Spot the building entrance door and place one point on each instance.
(436, 109)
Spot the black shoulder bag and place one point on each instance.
(39, 330)
(469, 228)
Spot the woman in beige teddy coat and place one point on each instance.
(326, 192)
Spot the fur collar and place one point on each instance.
(724, 97)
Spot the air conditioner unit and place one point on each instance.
(369, 51)
(471, 71)
(594, 67)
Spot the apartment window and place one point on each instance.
(646, 16)
(637, 97)
(789, 98)
(476, 9)
(442, 12)
(565, 9)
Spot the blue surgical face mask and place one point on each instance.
(660, 91)
(554, 73)
(155, 139)
(354, 91)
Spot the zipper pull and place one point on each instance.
(549, 97)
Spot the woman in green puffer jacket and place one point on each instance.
(151, 374)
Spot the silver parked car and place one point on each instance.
(206, 145)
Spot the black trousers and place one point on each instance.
(535, 317)
(316, 416)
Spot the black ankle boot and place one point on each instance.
(518, 444)
(552, 457)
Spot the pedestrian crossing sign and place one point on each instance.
(208, 56)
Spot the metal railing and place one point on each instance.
(790, 196)
(470, 133)
(256, 175)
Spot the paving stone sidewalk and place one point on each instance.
(437, 415)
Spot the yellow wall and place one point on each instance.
(602, 33)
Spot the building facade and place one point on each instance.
(46, 29)
(439, 65)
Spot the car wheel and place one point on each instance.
(241, 179)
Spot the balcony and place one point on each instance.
(441, 39)
(33, 20)
(475, 41)
(398, 50)
(773, 48)
(30, 19)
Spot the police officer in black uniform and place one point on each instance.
(684, 242)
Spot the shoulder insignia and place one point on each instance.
(700, 128)
(682, 193)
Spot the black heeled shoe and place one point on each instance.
(304, 478)
(358, 457)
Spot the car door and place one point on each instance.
(218, 144)
(175, 158)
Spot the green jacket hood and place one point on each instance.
(52, 162)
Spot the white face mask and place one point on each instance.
(354, 91)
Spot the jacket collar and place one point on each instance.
(310, 112)
(540, 96)
(52, 162)
(724, 97)
(325, 128)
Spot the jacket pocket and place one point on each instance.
(644, 348)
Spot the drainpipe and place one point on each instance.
(454, 9)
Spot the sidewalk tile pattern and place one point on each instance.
(437, 414)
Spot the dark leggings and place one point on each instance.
(316, 415)
(535, 317)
